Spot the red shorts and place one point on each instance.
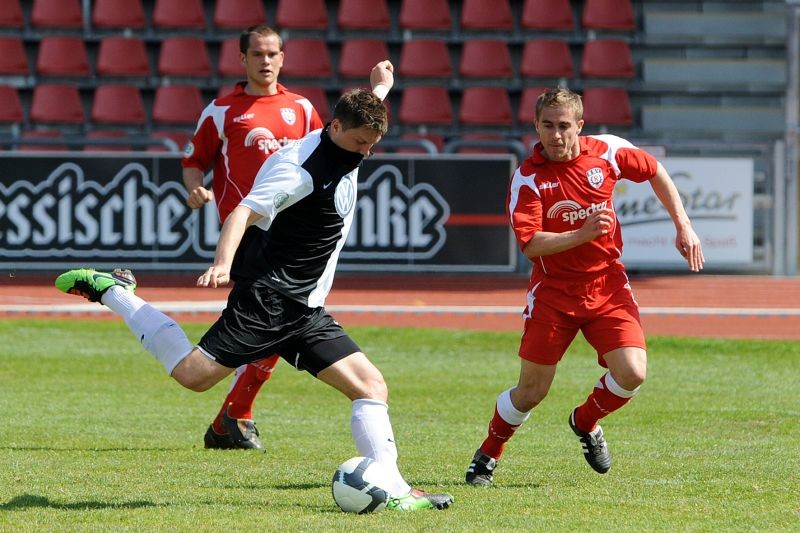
(602, 308)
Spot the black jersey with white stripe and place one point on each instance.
(307, 194)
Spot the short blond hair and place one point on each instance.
(560, 97)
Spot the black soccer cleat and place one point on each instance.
(595, 449)
(480, 470)
(242, 434)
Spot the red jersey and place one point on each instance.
(557, 196)
(237, 132)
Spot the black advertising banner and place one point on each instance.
(414, 213)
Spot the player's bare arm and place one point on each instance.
(686, 240)
(198, 194)
(381, 78)
(543, 243)
(230, 236)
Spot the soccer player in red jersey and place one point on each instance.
(560, 208)
(235, 134)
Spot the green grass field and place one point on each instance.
(95, 437)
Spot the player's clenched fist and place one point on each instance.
(198, 197)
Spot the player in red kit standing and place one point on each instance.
(561, 211)
(235, 134)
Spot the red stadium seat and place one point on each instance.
(184, 56)
(425, 58)
(107, 134)
(180, 137)
(57, 14)
(42, 134)
(302, 14)
(114, 14)
(486, 15)
(239, 14)
(122, 56)
(547, 15)
(306, 58)
(485, 106)
(527, 105)
(62, 56)
(607, 106)
(615, 15)
(13, 61)
(118, 104)
(11, 15)
(358, 56)
(421, 105)
(608, 58)
(425, 15)
(316, 95)
(230, 63)
(177, 104)
(363, 15)
(10, 105)
(179, 14)
(485, 58)
(57, 103)
(546, 58)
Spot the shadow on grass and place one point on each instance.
(27, 501)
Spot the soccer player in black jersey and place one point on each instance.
(281, 246)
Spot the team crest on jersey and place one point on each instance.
(188, 150)
(288, 115)
(595, 176)
(345, 197)
(280, 199)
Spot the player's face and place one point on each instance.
(558, 132)
(263, 61)
(359, 140)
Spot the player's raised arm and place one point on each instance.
(381, 78)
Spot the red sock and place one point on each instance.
(499, 432)
(601, 402)
(242, 396)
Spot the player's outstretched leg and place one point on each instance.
(417, 500)
(480, 470)
(92, 284)
(595, 449)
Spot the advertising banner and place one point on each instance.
(414, 213)
(718, 196)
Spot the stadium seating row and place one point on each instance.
(614, 15)
(420, 105)
(188, 56)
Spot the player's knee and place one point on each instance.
(374, 388)
(526, 398)
(631, 377)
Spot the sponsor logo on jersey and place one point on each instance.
(595, 176)
(571, 211)
(288, 115)
(548, 185)
(245, 116)
(263, 139)
(345, 197)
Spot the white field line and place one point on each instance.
(215, 306)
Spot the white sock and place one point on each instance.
(158, 333)
(374, 438)
(508, 412)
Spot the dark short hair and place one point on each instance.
(560, 97)
(360, 107)
(258, 29)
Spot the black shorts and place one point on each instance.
(259, 321)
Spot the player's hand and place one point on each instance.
(598, 223)
(198, 197)
(688, 244)
(382, 74)
(215, 276)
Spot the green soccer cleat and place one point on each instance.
(92, 284)
(417, 500)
